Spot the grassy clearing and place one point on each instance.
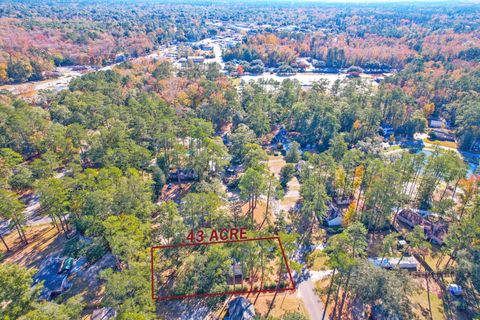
(433, 258)
(448, 144)
(259, 213)
(318, 261)
(393, 148)
(420, 303)
(235, 81)
(275, 164)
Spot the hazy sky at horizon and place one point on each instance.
(379, 1)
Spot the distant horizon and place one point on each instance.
(319, 1)
(458, 2)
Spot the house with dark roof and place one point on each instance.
(442, 134)
(435, 231)
(410, 217)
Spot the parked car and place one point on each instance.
(66, 265)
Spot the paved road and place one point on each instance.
(306, 292)
(306, 285)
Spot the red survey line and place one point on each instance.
(285, 259)
(197, 295)
(213, 242)
(221, 293)
(151, 268)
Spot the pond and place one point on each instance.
(471, 166)
(305, 79)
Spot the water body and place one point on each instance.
(306, 79)
(471, 166)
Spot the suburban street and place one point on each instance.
(306, 291)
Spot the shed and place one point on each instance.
(437, 123)
(237, 275)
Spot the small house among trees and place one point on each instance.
(237, 277)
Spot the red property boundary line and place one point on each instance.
(152, 249)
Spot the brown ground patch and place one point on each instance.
(448, 144)
(175, 192)
(318, 261)
(275, 164)
(292, 195)
(284, 302)
(44, 241)
(259, 214)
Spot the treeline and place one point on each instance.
(37, 37)
(343, 51)
(444, 90)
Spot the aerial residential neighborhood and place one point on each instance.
(239, 160)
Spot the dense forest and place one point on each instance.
(36, 37)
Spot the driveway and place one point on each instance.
(306, 287)
(306, 292)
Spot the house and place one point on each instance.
(240, 309)
(334, 216)
(185, 174)
(410, 217)
(281, 137)
(303, 63)
(437, 123)
(353, 74)
(196, 59)
(387, 130)
(120, 58)
(406, 263)
(442, 134)
(301, 165)
(435, 231)
(342, 201)
(380, 262)
(206, 47)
